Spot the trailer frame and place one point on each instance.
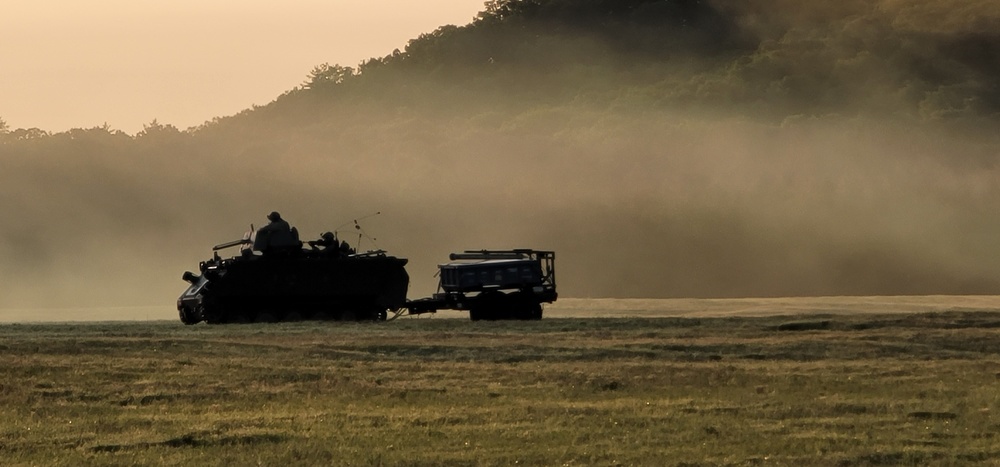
(493, 285)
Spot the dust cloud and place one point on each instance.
(842, 149)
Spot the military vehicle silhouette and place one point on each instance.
(276, 277)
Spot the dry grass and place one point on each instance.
(787, 390)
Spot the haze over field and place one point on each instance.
(662, 148)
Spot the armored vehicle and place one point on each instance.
(494, 284)
(276, 277)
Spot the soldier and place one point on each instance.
(346, 249)
(328, 241)
(277, 233)
(276, 223)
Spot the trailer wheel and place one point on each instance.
(265, 317)
(533, 311)
(490, 306)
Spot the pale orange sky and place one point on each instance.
(67, 64)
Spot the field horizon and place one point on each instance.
(599, 308)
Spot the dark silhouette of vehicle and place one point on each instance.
(277, 278)
(494, 284)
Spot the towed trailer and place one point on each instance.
(493, 285)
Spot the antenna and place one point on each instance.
(361, 232)
(355, 221)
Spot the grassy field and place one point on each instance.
(834, 389)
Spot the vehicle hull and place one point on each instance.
(294, 286)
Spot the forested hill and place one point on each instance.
(922, 59)
(668, 148)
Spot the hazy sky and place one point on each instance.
(126, 62)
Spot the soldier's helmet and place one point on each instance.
(274, 216)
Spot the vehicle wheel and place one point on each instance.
(266, 317)
(187, 317)
(381, 315)
(475, 314)
(214, 318)
(320, 316)
(293, 316)
(213, 314)
(239, 318)
(348, 315)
